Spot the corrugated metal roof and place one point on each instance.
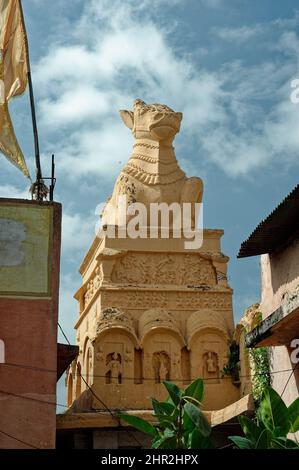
(281, 226)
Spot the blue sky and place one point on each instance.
(226, 64)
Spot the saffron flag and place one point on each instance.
(13, 76)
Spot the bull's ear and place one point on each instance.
(127, 117)
(180, 116)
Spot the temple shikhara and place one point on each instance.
(150, 308)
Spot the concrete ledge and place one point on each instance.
(277, 329)
(103, 419)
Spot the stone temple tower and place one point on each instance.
(150, 308)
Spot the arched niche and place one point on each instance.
(78, 380)
(162, 354)
(89, 366)
(87, 363)
(86, 345)
(70, 390)
(162, 342)
(114, 356)
(209, 353)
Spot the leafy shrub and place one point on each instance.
(181, 423)
(273, 424)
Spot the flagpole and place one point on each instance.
(33, 113)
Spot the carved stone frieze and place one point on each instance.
(156, 268)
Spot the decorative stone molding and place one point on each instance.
(113, 318)
(93, 285)
(170, 300)
(144, 176)
(158, 319)
(205, 320)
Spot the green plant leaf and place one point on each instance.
(274, 412)
(198, 441)
(284, 443)
(198, 418)
(167, 440)
(241, 442)
(174, 391)
(139, 424)
(293, 410)
(168, 444)
(188, 423)
(195, 390)
(162, 407)
(250, 429)
(264, 440)
(191, 400)
(166, 421)
(156, 442)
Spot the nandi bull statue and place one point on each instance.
(152, 174)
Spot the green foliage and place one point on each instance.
(274, 422)
(180, 422)
(261, 375)
(233, 365)
(294, 415)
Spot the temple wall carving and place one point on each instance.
(161, 269)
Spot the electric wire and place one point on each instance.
(115, 417)
(228, 377)
(18, 440)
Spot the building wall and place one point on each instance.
(29, 284)
(280, 276)
(280, 279)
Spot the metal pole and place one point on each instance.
(32, 106)
(35, 132)
(52, 180)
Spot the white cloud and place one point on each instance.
(10, 191)
(240, 34)
(243, 33)
(74, 106)
(78, 230)
(119, 52)
(86, 84)
(212, 3)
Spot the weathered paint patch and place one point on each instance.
(12, 234)
(25, 253)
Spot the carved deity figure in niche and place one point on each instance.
(210, 364)
(161, 366)
(114, 368)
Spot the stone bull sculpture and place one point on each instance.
(152, 174)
